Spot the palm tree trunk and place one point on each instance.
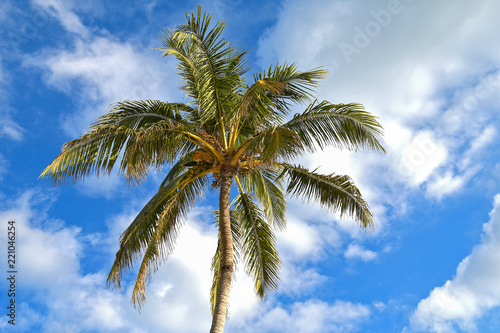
(222, 298)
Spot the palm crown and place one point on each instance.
(230, 130)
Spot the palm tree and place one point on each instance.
(229, 131)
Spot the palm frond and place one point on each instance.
(270, 145)
(94, 152)
(154, 230)
(142, 134)
(266, 102)
(257, 108)
(177, 169)
(258, 242)
(211, 68)
(297, 87)
(141, 114)
(277, 143)
(228, 129)
(340, 125)
(263, 184)
(336, 193)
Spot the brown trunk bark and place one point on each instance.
(222, 298)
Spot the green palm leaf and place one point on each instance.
(261, 258)
(339, 125)
(142, 134)
(203, 56)
(142, 114)
(161, 244)
(266, 102)
(177, 169)
(228, 129)
(270, 145)
(333, 192)
(297, 86)
(264, 185)
(154, 230)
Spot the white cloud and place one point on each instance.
(467, 165)
(48, 266)
(311, 230)
(470, 107)
(62, 10)
(102, 71)
(473, 291)
(298, 281)
(98, 69)
(299, 240)
(488, 136)
(402, 85)
(177, 295)
(180, 289)
(51, 259)
(95, 71)
(419, 96)
(102, 64)
(308, 317)
(304, 213)
(8, 128)
(358, 252)
(445, 184)
(50, 273)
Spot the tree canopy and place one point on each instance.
(230, 132)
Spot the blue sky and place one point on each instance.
(430, 70)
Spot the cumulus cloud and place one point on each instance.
(299, 240)
(421, 156)
(48, 266)
(484, 139)
(102, 71)
(403, 85)
(472, 292)
(62, 10)
(50, 255)
(98, 69)
(297, 281)
(431, 103)
(454, 177)
(446, 184)
(308, 317)
(51, 264)
(355, 251)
